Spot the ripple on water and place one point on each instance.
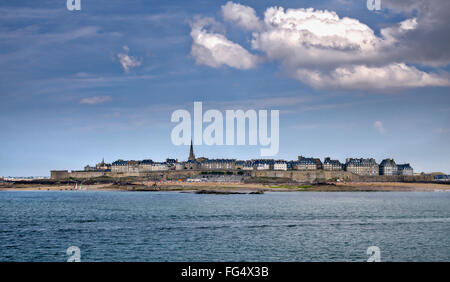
(117, 226)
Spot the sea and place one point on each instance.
(175, 226)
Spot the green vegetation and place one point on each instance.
(291, 186)
(268, 180)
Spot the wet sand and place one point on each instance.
(241, 187)
(31, 187)
(396, 186)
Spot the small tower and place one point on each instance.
(191, 153)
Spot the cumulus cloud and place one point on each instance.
(213, 49)
(309, 28)
(314, 40)
(360, 77)
(324, 50)
(128, 62)
(241, 15)
(95, 100)
(429, 42)
(378, 125)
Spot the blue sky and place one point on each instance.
(77, 86)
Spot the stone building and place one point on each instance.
(171, 163)
(291, 165)
(405, 169)
(179, 166)
(119, 166)
(102, 165)
(146, 165)
(201, 159)
(218, 164)
(133, 166)
(239, 165)
(388, 167)
(89, 168)
(280, 165)
(309, 168)
(158, 166)
(332, 165)
(248, 165)
(59, 174)
(263, 164)
(191, 164)
(319, 164)
(308, 163)
(362, 166)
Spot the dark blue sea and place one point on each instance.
(172, 226)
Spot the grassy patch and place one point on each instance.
(281, 186)
(291, 186)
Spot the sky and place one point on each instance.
(103, 82)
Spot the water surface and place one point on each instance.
(171, 226)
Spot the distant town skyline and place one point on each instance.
(102, 82)
(232, 167)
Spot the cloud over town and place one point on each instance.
(323, 50)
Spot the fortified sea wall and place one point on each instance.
(167, 175)
(314, 176)
(311, 176)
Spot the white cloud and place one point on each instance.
(241, 15)
(128, 62)
(360, 77)
(318, 48)
(378, 125)
(309, 28)
(392, 34)
(214, 49)
(314, 39)
(95, 100)
(325, 51)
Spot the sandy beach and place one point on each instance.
(31, 187)
(239, 187)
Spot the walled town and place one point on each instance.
(201, 169)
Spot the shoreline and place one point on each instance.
(242, 188)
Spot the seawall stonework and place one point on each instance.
(312, 176)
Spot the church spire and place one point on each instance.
(191, 153)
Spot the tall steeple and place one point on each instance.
(191, 153)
